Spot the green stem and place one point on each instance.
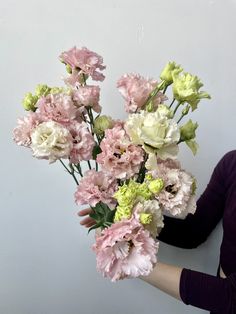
(89, 164)
(181, 118)
(96, 165)
(172, 103)
(79, 169)
(164, 90)
(70, 172)
(153, 94)
(176, 108)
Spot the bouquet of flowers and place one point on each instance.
(133, 176)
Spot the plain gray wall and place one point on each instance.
(46, 265)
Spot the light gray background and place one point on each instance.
(46, 265)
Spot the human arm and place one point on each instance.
(195, 288)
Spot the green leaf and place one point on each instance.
(98, 225)
(193, 145)
(96, 150)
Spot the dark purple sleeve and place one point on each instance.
(208, 292)
(194, 230)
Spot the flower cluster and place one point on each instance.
(134, 177)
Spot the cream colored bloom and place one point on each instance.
(51, 141)
(151, 210)
(155, 132)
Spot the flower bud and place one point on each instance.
(187, 131)
(102, 123)
(185, 110)
(145, 218)
(156, 186)
(29, 102)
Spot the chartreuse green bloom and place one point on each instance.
(167, 72)
(101, 123)
(186, 89)
(42, 90)
(29, 102)
(126, 197)
(187, 131)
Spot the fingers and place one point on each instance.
(85, 212)
(86, 221)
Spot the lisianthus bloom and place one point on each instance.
(119, 156)
(57, 107)
(22, 133)
(84, 61)
(95, 187)
(149, 214)
(87, 96)
(125, 250)
(154, 161)
(135, 89)
(83, 142)
(155, 132)
(52, 141)
(177, 198)
(127, 196)
(167, 72)
(186, 89)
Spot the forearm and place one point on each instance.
(166, 278)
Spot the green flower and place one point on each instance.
(187, 131)
(101, 123)
(186, 89)
(42, 90)
(29, 102)
(58, 90)
(145, 218)
(155, 186)
(193, 145)
(167, 72)
(129, 194)
(122, 212)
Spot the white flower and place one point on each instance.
(50, 140)
(155, 132)
(146, 210)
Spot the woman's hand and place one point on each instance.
(87, 221)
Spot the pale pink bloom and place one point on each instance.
(119, 156)
(22, 133)
(57, 107)
(83, 142)
(95, 187)
(135, 89)
(125, 250)
(84, 61)
(177, 197)
(87, 96)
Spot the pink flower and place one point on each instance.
(177, 197)
(87, 96)
(125, 249)
(22, 133)
(119, 156)
(95, 187)
(135, 89)
(84, 61)
(83, 142)
(57, 107)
